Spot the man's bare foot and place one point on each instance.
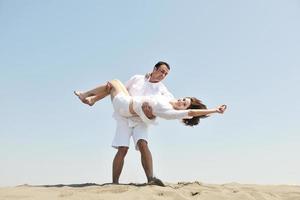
(156, 181)
(83, 99)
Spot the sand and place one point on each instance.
(179, 191)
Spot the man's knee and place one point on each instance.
(122, 151)
(142, 144)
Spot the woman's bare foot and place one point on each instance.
(90, 100)
(83, 99)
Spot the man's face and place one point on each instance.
(159, 74)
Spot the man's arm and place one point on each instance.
(147, 109)
(165, 92)
(130, 82)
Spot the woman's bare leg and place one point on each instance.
(112, 87)
(117, 87)
(88, 97)
(94, 92)
(81, 97)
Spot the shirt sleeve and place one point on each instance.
(165, 92)
(130, 82)
(173, 114)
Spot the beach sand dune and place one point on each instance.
(179, 191)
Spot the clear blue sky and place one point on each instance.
(242, 53)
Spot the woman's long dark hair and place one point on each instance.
(195, 104)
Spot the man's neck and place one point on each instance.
(152, 81)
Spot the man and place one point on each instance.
(139, 85)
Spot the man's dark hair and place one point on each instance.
(160, 63)
(195, 104)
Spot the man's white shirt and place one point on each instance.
(139, 85)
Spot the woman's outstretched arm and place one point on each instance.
(200, 112)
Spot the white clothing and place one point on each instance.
(121, 104)
(160, 107)
(124, 132)
(138, 85)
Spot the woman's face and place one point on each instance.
(182, 104)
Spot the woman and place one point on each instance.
(189, 109)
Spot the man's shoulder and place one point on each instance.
(162, 85)
(165, 91)
(137, 77)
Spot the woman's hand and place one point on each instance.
(221, 109)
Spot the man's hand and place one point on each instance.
(147, 109)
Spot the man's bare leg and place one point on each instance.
(146, 159)
(118, 163)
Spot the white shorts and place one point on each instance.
(125, 131)
(121, 104)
